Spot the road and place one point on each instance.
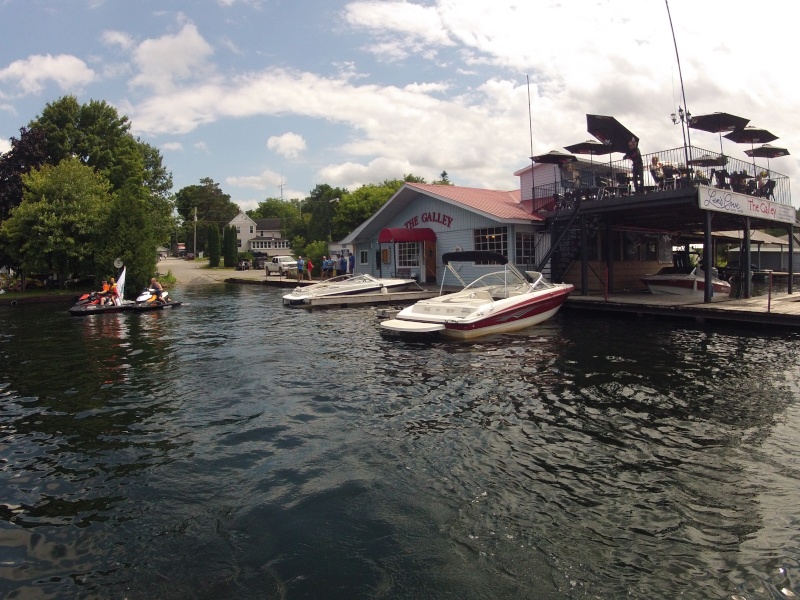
(197, 272)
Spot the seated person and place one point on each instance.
(570, 177)
(657, 171)
(761, 181)
(104, 292)
(157, 291)
(113, 292)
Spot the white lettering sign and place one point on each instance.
(726, 201)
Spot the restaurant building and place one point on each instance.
(600, 235)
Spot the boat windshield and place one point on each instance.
(505, 278)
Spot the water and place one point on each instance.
(233, 448)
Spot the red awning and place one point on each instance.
(404, 234)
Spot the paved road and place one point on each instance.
(197, 271)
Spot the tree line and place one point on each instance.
(78, 191)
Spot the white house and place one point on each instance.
(259, 236)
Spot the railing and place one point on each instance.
(708, 168)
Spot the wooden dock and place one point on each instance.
(361, 299)
(781, 309)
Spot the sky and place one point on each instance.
(270, 98)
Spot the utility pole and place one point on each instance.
(195, 232)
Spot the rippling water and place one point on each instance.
(233, 448)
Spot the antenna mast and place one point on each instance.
(683, 91)
(530, 126)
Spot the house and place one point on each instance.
(259, 236)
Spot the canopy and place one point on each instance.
(405, 234)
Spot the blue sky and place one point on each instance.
(271, 97)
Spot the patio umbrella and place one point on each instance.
(767, 151)
(554, 157)
(717, 123)
(592, 148)
(751, 135)
(609, 131)
(707, 160)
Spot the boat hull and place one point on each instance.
(96, 309)
(684, 287)
(490, 321)
(305, 295)
(154, 306)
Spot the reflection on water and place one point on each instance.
(235, 448)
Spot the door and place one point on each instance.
(430, 262)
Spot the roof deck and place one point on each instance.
(596, 180)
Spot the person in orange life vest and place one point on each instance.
(103, 293)
(113, 292)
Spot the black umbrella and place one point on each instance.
(554, 157)
(717, 123)
(592, 148)
(708, 160)
(767, 151)
(609, 131)
(751, 135)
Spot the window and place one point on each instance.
(363, 257)
(238, 243)
(408, 254)
(238, 229)
(492, 239)
(526, 249)
(251, 229)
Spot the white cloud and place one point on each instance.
(289, 145)
(31, 75)
(5, 145)
(265, 180)
(413, 21)
(172, 146)
(117, 38)
(172, 59)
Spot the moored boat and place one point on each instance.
(684, 281)
(346, 285)
(497, 302)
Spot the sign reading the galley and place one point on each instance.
(740, 204)
(429, 217)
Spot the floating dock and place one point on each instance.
(780, 309)
(361, 299)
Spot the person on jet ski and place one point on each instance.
(102, 295)
(157, 291)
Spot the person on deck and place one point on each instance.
(301, 265)
(351, 262)
(637, 169)
(657, 171)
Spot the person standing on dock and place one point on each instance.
(637, 169)
(301, 265)
(351, 261)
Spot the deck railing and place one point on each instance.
(707, 168)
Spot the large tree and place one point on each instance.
(28, 152)
(57, 229)
(275, 208)
(212, 206)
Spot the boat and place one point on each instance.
(147, 301)
(346, 285)
(497, 302)
(684, 281)
(90, 305)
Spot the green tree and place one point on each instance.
(275, 208)
(355, 208)
(231, 250)
(59, 224)
(129, 235)
(214, 247)
(443, 180)
(212, 205)
(318, 211)
(28, 152)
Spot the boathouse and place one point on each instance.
(592, 230)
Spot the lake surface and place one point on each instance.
(234, 448)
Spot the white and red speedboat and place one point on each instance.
(684, 281)
(497, 302)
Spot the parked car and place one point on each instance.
(260, 262)
(189, 256)
(243, 265)
(282, 265)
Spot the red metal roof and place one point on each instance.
(496, 203)
(406, 234)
